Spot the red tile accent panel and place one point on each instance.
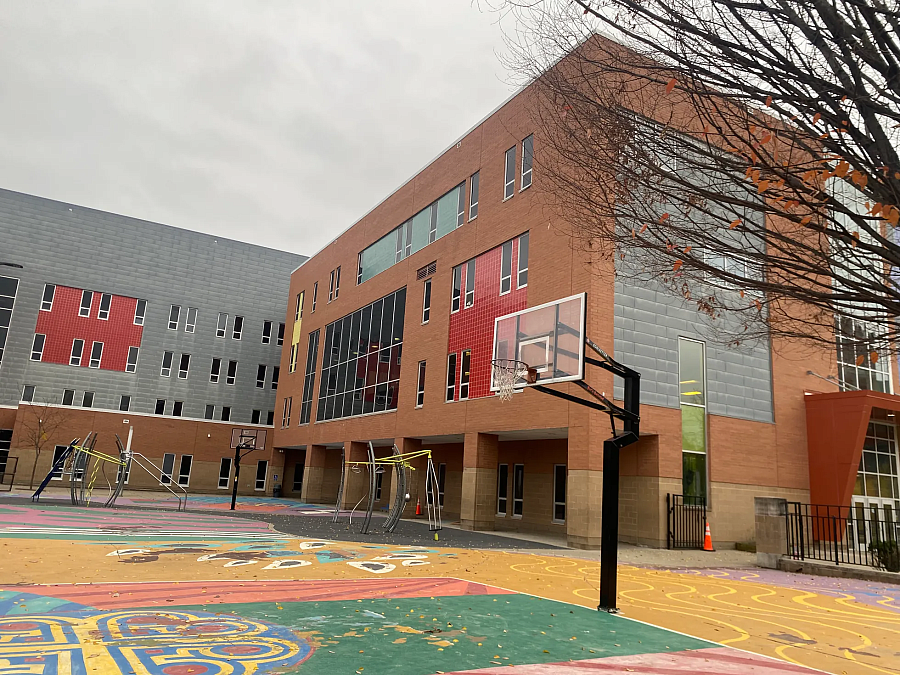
(473, 328)
(62, 325)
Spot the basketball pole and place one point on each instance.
(250, 446)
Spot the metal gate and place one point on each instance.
(686, 521)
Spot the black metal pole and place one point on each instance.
(609, 526)
(237, 473)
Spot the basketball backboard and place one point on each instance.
(549, 338)
(245, 437)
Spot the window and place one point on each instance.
(457, 289)
(28, 393)
(276, 371)
(509, 183)
(96, 354)
(461, 207)
(190, 323)
(214, 370)
(184, 366)
(184, 470)
(309, 378)
(298, 308)
(124, 403)
(140, 311)
(177, 408)
(420, 387)
(877, 474)
(5, 445)
(432, 224)
(232, 372)
(442, 482)
(286, 413)
(315, 296)
(280, 334)
(160, 406)
(174, 315)
(260, 376)
(105, 302)
(57, 456)
(527, 161)
(451, 377)
(267, 332)
(131, 364)
(464, 375)
(361, 360)
(77, 352)
(237, 328)
(297, 483)
(692, 393)
(470, 283)
(254, 416)
(502, 488)
(168, 466)
(226, 413)
(379, 482)
(127, 470)
(262, 468)
(68, 397)
(224, 472)
(522, 279)
(473, 196)
(859, 365)
(37, 347)
(8, 289)
(221, 324)
(337, 282)
(559, 493)
(426, 302)
(47, 300)
(331, 287)
(87, 399)
(210, 411)
(270, 418)
(292, 364)
(506, 268)
(87, 298)
(165, 369)
(518, 489)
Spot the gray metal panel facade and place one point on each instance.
(69, 245)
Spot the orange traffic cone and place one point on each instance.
(707, 540)
(418, 506)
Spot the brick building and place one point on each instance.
(391, 344)
(115, 323)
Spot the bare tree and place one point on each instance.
(40, 423)
(744, 154)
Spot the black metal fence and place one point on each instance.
(862, 534)
(8, 473)
(686, 521)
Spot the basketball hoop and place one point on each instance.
(507, 373)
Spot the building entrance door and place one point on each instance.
(876, 499)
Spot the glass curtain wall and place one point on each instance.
(860, 363)
(309, 378)
(692, 392)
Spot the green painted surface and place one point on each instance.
(374, 635)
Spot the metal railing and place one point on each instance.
(8, 473)
(182, 505)
(686, 521)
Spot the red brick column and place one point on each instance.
(479, 484)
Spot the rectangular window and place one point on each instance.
(177, 408)
(214, 370)
(77, 352)
(286, 413)
(232, 372)
(473, 196)
(280, 334)
(502, 488)
(276, 371)
(379, 482)
(267, 332)
(37, 347)
(5, 445)
(210, 411)
(131, 363)
(8, 289)
(224, 472)
(432, 224)
(522, 279)
(461, 207)
(226, 413)
(221, 325)
(309, 378)
(692, 393)
(420, 387)
(470, 283)
(184, 470)
(518, 489)
(96, 354)
(87, 399)
(509, 183)
(298, 309)
(105, 302)
(140, 311)
(262, 468)
(506, 268)
(315, 296)
(442, 482)
(184, 366)
(174, 315)
(559, 493)
(165, 369)
(28, 393)
(68, 397)
(190, 323)
(124, 403)
(466, 363)
(270, 418)
(260, 376)
(451, 377)
(856, 345)
(337, 282)
(331, 287)
(527, 161)
(47, 300)
(254, 416)
(160, 406)
(426, 302)
(237, 328)
(57, 454)
(87, 298)
(168, 466)
(292, 364)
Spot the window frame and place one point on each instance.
(39, 350)
(314, 297)
(331, 286)
(222, 325)
(209, 412)
(469, 299)
(279, 341)
(25, 393)
(225, 413)
(504, 496)
(174, 310)
(337, 282)
(166, 478)
(88, 296)
(506, 256)
(509, 173)
(276, 373)
(99, 357)
(265, 479)
(75, 360)
(131, 365)
(70, 394)
(103, 313)
(456, 289)
(266, 332)
(462, 364)
(426, 301)
(44, 301)
(261, 382)
(164, 370)
(181, 369)
(529, 172)
(227, 477)
(474, 181)
(124, 402)
(177, 408)
(87, 399)
(156, 409)
(58, 451)
(237, 327)
(420, 385)
(181, 474)
(190, 320)
(450, 393)
(215, 369)
(518, 501)
(140, 312)
(231, 373)
(286, 412)
(556, 502)
(525, 236)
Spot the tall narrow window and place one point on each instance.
(37, 347)
(224, 472)
(237, 328)
(177, 408)
(426, 302)
(260, 376)
(68, 396)
(442, 481)
(506, 268)
(286, 413)
(105, 302)
(267, 332)
(210, 411)
(309, 378)
(87, 298)
(232, 372)
(692, 392)
(254, 416)
(518, 490)
(174, 315)
(298, 309)
(270, 418)
(165, 369)
(28, 393)
(315, 296)
(509, 183)
(470, 283)
(280, 334)
(359, 268)
(131, 363)
(473, 196)
(168, 466)
(466, 363)
(420, 387)
(461, 206)
(451, 377)
(124, 403)
(184, 470)
(184, 366)
(96, 354)
(57, 455)
(331, 286)
(214, 370)
(190, 323)
(527, 161)
(226, 413)
(457, 288)
(221, 324)
(87, 399)
(292, 364)
(160, 406)
(47, 300)
(522, 279)
(337, 282)
(502, 488)
(559, 493)
(276, 371)
(77, 352)
(140, 311)
(262, 468)
(432, 224)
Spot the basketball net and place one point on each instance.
(506, 374)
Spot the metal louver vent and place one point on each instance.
(426, 271)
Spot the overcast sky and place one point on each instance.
(278, 122)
